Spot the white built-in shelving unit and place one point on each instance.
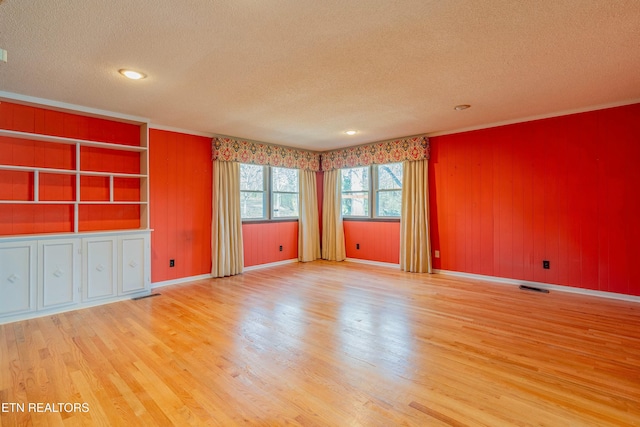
(52, 272)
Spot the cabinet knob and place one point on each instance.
(133, 264)
(13, 278)
(100, 267)
(58, 272)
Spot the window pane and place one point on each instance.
(284, 179)
(389, 203)
(251, 177)
(285, 205)
(251, 205)
(355, 179)
(390, 176)
(355, 204)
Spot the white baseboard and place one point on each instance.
(271, 264)
(378, 263)
(559, 288)
(180, 280)
(209, 276)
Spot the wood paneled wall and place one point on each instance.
(379, 241)
(262, 242)
(563, 189)
(181, 174)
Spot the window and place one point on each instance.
(253, 191)
(355, 192)
(388, 189)
(378, 186)
(284, 201)
(268, 192)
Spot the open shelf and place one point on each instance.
(69, 141)
(34, 169)
(101, 182)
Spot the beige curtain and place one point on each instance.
(333, 248)
(226, 228)
(415, 243)
(308, 222)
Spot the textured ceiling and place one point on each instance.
(301, 72)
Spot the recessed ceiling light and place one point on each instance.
(131, 74)
(351, 132)
(461, 107)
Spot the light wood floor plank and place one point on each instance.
(331, 344)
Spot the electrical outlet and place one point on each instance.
(437, 254)
(357, 245)
(280, 248)
(545, 265)
(172, 263)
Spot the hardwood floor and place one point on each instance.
(328, 344)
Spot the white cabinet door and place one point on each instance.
(58, 272)
(99, 270)
(17, 277)
(133, 264)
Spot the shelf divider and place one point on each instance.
(111, 188)
(36, 186)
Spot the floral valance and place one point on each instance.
(397, 150)
(235, 150)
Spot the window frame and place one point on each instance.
(373, 190)
(267, 195)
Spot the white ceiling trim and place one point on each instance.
(94, 112)
(69, 108)
(180, 130)
(537, 117)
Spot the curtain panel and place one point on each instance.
(227, 251)
(415, 242)
(333, 246)
(308, 221)
(397, 150)
(259, 153)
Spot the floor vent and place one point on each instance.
(145, 296)
(534, 289)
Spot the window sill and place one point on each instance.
(371, 219)
(267, 221)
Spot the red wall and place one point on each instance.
(262, 241)
(379, 241)
(564, 189)
(180, 200)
